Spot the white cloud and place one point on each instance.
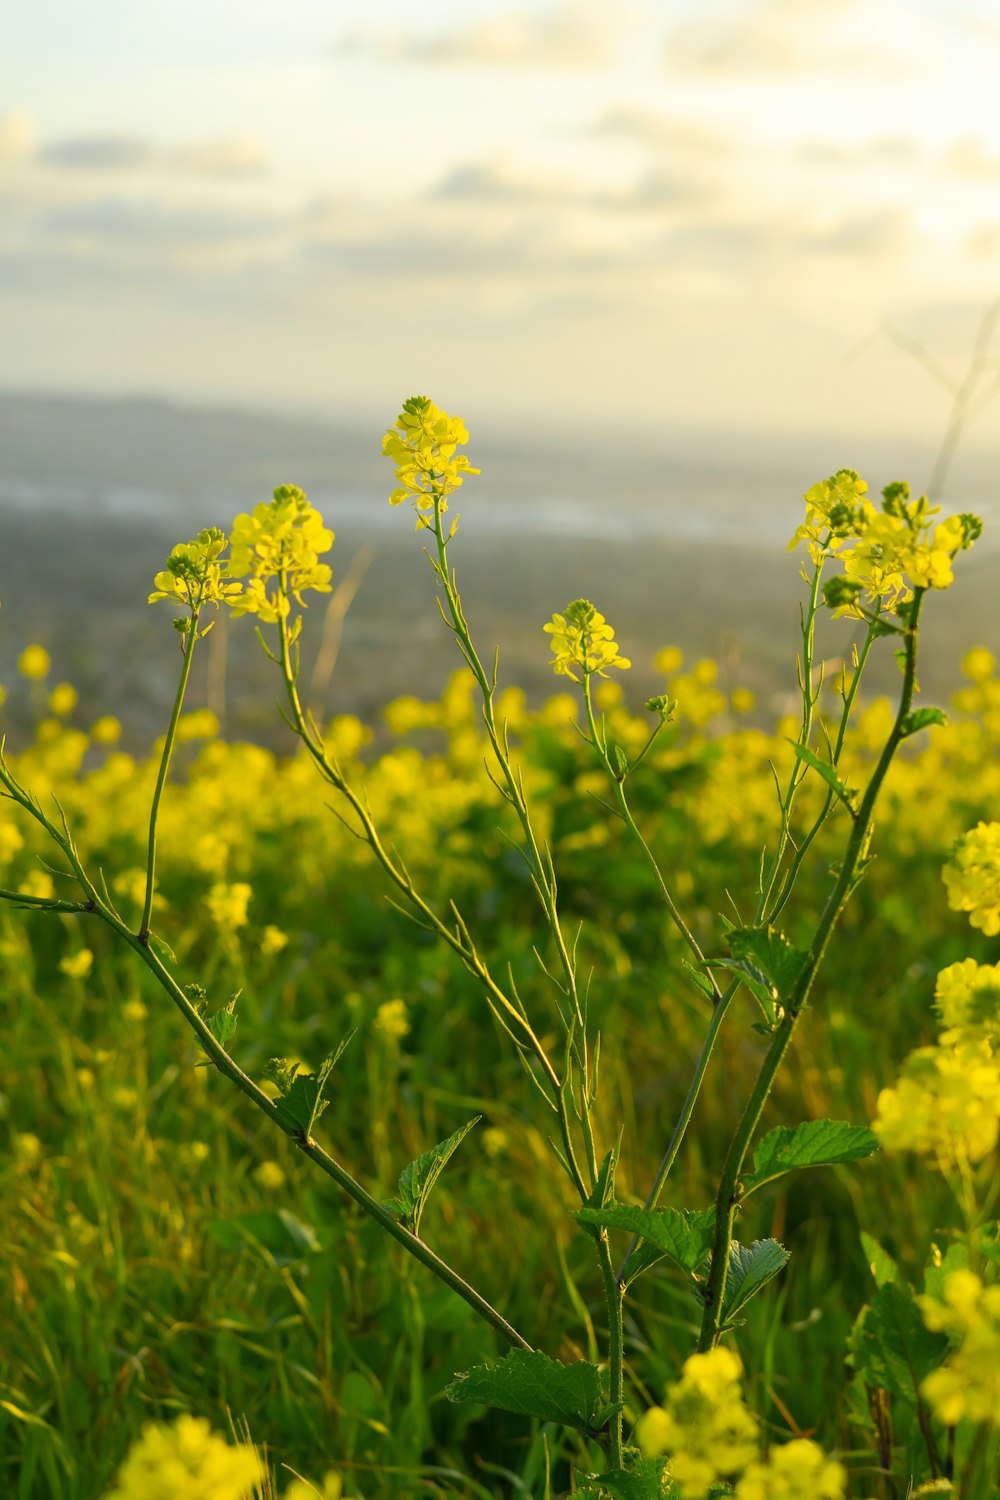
(573, 35)
(774, 38)
(18, 136)
(238, 156)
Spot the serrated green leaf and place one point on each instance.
(825, 770)
(301, 1099)
(777, 959)
(417, 1179)
(686, 1237)
(816, 1143)
(880, 1262)
(531, 1383)
(222, 1023)
(751, 1267)
(756, 981)
(923, 718)
(645, 1480)
(891, 1348)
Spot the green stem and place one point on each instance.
(613, 1296)
(187, 647)
(728, 1197)
(684, 1118)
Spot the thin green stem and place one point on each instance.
(728, 1197)
(684, 1118)
(613, 1296)
(187, 647)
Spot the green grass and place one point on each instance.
(148, 1268)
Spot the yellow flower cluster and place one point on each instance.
(582, 638)
(187, 1459)
(968, 1384)
(972, 877)
(967, 998)
(799, 1470)
(945, 1105)
(422, 445)
(282, 540)
(886, 553)
(705, 1427)
(193, 575)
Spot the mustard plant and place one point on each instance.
(889, 558)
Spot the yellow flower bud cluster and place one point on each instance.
(968, 1384)
(704, 1425)
(281, 541)
(187, 1458)
(972, 877)
(712, 1436)
(193, 575)
(886, 554)
(422, 445)
(582, 639)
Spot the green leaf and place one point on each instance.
(923, 718)
(646, 1479)
(279, 1234)
(757, 982)
(301, 1099)
(826, 771)
(955, 1258)
(417, 1179)
(751, 1267)
(604, 1187)
(531, 1383)
(686, 1237)
(817, 1143)
(891, 1348)
(880, 1262)
(698, 979)
(778, 961)
(222, 1022)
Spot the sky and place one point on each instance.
(607, 216)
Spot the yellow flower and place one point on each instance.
(272, 940)
(704, 1425)
(63, 699)
(972, 877)
(422, 444)
(582, 638)
(193, 575)
(946, 1104)
(106, 730)
(227, 904)
(34, 662)
(979, 664)
(968, 1384)
(391, 1020)
(280, 542)
(38, 883)
(669, 660)
(186, 1459)
(269, 1176)
(798, 1471)
(967, 998)
(77, 965)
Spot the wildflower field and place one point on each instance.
(597, 1098)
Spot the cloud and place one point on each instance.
(238, 156)
(575, 34)
(885, 151)
(880, 233)
(494, 182)
(17, 136)
(646, 127)
(970, 157)
(778, 38)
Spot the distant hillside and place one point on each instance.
(93, 494)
